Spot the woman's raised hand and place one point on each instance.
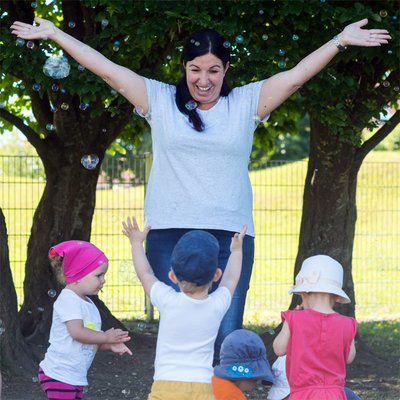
(354, 35)
(45, 29)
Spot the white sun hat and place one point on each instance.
(320, 273)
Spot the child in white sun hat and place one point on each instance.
(280, 390)
(318, 341)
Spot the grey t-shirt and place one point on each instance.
(200, 179)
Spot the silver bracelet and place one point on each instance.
(336, 42)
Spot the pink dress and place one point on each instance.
(317, 352)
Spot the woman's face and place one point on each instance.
(204, 77)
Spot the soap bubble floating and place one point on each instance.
(90, 161)
(56, 67)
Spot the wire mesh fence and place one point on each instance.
(277, 192)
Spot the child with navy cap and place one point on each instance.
(243, 363)
(189, 319)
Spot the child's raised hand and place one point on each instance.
(132, 231)
(26, 31)
(120, 349)
(237, 239)
(117, 336)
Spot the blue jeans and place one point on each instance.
(159, 246)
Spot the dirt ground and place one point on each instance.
(119, 378)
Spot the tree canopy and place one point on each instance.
(147, 36)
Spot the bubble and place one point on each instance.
(2, 327)
(113, 92)
(64, 106)
(295, 37)
(141, 326)
(90, 161)
(239, 39)
(394, 17)
(30, 44)
(386, 83)
(104, 130)
(50, 127)
(126, 392)
(81, 67)
(396, 88)
(71, 24)
(191, 105)
(117, 42)
(264, 37)
(390, 52)
(56, 67)
(83, 106)
(281, 52)
(55, 87)
(19, 42)
(169, 57)
(52, 293)
(192, 41)
(261, 12)
(197, 44)
(226, 44)
(63, 90)
(33, 4)
(322, 1)
(35, 379)
(383, 13)
(36, 87)
(53, 108)
(40, 309)
(282, 64)
(115, 48)
(104, 22)
(271, 332)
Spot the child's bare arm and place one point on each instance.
(119, 348)
(88, 336)
(233, 268)
(281, 341)
(352, 353)
(142, 267)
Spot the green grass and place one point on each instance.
(383, 336)
(277, 211)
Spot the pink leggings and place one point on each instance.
(57, 390)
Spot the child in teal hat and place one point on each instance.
(243, 363)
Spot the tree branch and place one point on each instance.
(374, 140)
(26, 130)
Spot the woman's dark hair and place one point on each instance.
(201, 42)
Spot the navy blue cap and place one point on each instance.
(195, 257)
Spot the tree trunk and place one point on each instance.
(64, 212)
(329, 205)
(14, 352)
